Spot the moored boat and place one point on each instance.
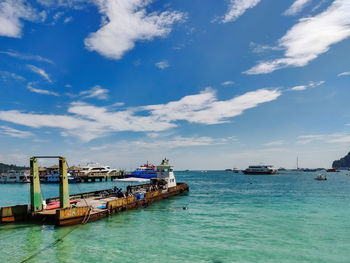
(260, 169)
(13, 177)
(90, 206)
(55, 179)
(146, 171)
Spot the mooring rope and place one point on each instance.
(60, 239)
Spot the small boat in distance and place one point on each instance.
(228, 170)
(332, 170)
(235, 170)
(260, 169)
(320, 177)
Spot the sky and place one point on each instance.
(209, 84)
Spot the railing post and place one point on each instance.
(64, 192)
(35, 193)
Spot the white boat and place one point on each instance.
(320, 177)
(15, 177)
(97, 169)
(260, 169)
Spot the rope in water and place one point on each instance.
(60, 239)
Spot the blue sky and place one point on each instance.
(208, 84)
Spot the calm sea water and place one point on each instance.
(280, 218)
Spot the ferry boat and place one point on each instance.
(97, 169)
(260, 169)
(146, 171)
(15, 177)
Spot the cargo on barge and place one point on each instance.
(89, 206)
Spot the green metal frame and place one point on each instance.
(35, 193)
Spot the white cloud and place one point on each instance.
(309, 38)
(26, 56)
(40, 72)
(325, 138)
(126, 22)
(5, 75)
(227, 83)
(206, 109)
(162, 64)
(11, 13)
(296, 7)
(299, 88)
(95, 92)
(40, 91)
(67, 20)
(311, 84)
(274, 143)
(14, 132)
(256, 48)
(238, 8)
(344, 74)
(89, 122)
(163, 143)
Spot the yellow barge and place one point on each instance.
(89, 206)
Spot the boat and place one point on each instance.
(320, 177)
(228, 170)
(13, 177)
(55, 179)
(81, 208)
(332, 170)
(235, 170)
(96, 169)
(260, 169)
(146, 171)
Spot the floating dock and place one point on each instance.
(89, 206)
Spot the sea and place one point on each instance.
(229, 217)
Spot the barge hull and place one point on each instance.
(87, 213)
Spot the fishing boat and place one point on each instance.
(146, 171)
(260, 169)
(13, 177)
(320, 177)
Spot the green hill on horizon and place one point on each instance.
(7, 167)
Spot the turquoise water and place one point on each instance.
(279, 218)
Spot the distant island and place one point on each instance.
(8, 167)
(343, 162)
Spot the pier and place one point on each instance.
(88, 206)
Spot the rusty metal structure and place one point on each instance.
(85, 207)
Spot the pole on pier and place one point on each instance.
(64, 192)
(35, 193)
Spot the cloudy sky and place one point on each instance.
(208, 84)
